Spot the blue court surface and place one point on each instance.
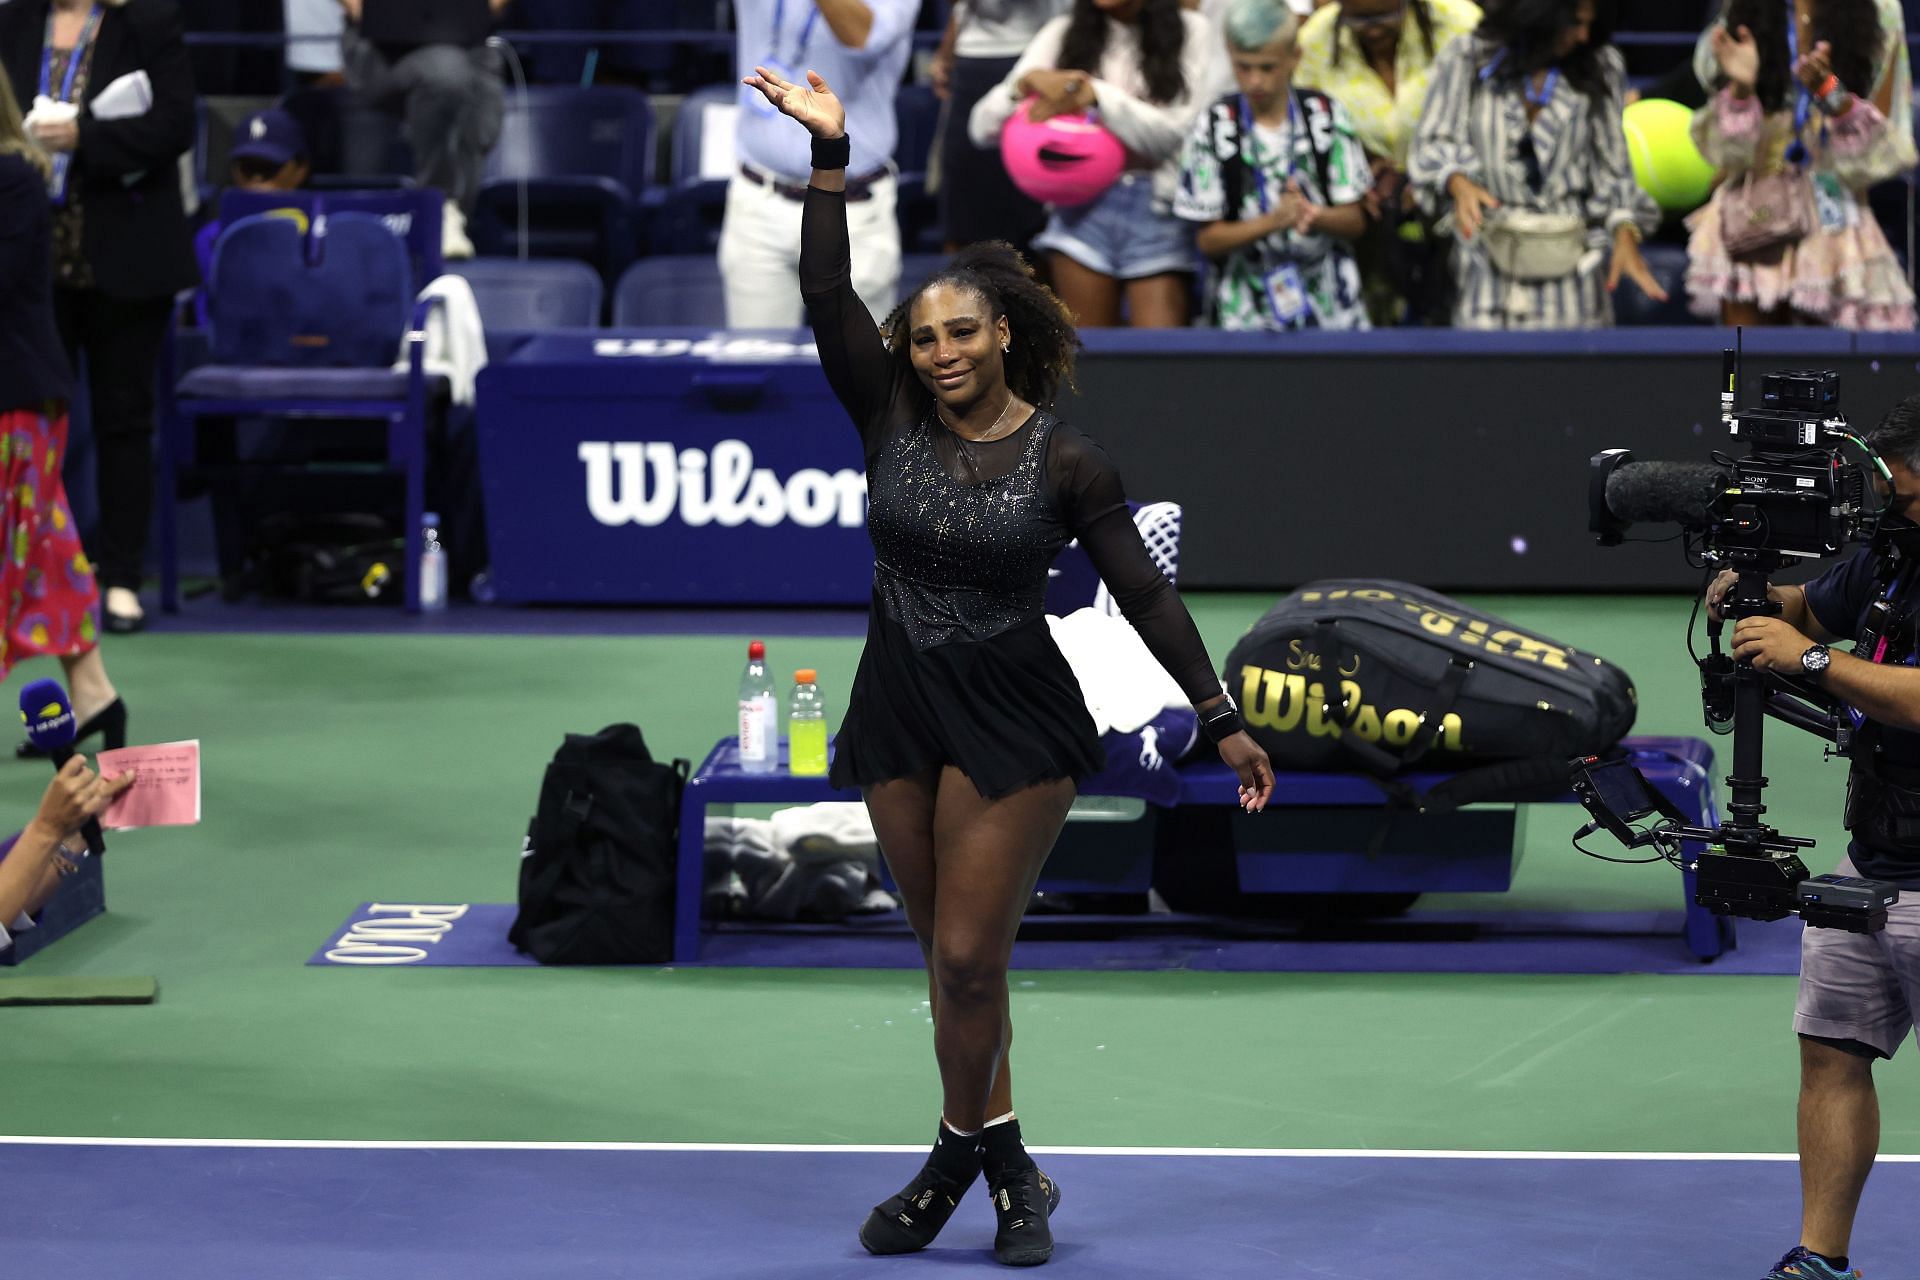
(93, 1210)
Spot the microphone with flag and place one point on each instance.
(48, 715)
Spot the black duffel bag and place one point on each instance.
(1366, 675)
(597, 875)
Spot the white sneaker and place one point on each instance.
(453, 233)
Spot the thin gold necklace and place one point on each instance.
(989, 436)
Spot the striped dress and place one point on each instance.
(1478, 127)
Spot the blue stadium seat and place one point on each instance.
(662, 67)
(412, 213)
(671, 291)
(918, 112)
(687, 219)
(539, 294)
(306, 321)
(1668, 263)
(582, 156)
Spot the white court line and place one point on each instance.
(1290, 1153)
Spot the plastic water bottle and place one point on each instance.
(759, 715)
(433, 565)
(807, 726)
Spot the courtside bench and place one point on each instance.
(1110, 842)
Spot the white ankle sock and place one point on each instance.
(962, 1133)
(998, 1120)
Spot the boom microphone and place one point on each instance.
(1622, 491)
(48, 715)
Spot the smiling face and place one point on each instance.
(957, 345)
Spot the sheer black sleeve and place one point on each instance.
(855, 360)
(1088, 493)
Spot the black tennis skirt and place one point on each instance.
(1006, 711)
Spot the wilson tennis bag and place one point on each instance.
(1372, 676)
(597, 875)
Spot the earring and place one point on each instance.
(1007, 346)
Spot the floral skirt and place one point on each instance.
(1845, 279)
(46, 580)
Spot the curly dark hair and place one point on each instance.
(1045, 341)
(1163, 35)
(1852, 27)
(1525, 32)
(1422, 18)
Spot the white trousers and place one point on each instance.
(760, 254)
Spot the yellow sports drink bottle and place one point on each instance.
(807, 727)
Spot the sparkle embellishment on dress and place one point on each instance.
(958, 559)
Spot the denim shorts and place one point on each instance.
(1122, 234)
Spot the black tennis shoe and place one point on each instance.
(910, 1220)
(1023, 1203)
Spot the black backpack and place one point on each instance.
(1422, 680)
(597, 876)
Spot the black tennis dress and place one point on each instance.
(959, 666)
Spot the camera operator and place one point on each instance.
(1859, 993)
(32, 868)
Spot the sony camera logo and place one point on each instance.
(649, 482)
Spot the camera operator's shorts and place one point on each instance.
(1863, 987)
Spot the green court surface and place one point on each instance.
(342, 769)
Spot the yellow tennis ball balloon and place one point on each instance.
(1666, 164)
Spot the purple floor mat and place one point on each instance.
(475, 1214)
(386, 935)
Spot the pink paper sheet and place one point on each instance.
(167, 793)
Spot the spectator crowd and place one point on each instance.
(1243, 164)
(1254, 164)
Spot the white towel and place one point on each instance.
(1122, 682)
(831, 831)
(456, 341)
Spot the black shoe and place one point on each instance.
(1023, 1203)
(909, 1221)
(110, 722)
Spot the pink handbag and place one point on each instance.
(1759, 215)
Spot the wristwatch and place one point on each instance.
(1816, 660)
(1222, 720)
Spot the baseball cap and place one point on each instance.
(271, 135)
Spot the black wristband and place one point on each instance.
(832, 153)
(1221, 721)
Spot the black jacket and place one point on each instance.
(135, 230)
(33, 367)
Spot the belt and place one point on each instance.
(858, 189)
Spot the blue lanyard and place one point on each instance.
(1295, 130)
(63, 160)
(1540, 99)
(1797, 152)
(806, 33)
(73, 62)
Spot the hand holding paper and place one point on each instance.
(167, 793)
